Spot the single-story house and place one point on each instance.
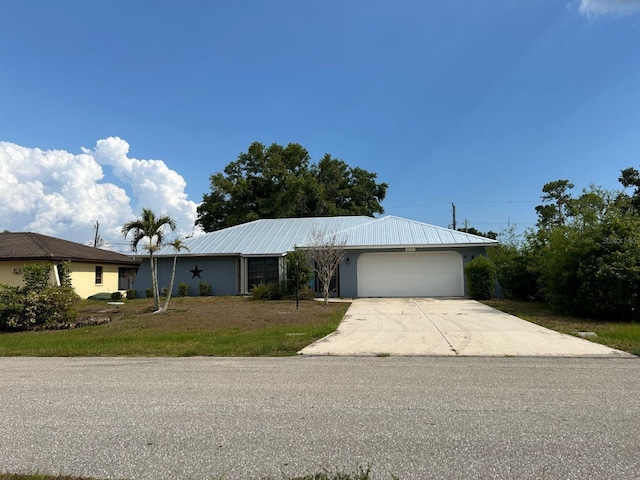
(388, 256)
(93, 270)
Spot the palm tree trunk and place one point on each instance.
(155, 266)
(173, 276)
(154, 282)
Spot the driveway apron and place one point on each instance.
(445, 327)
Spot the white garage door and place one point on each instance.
(410, 274)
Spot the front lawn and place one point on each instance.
(621, 335)
(193, 326)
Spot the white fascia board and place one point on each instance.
(429, 246)
(197, 255)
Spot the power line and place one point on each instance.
(497, 202)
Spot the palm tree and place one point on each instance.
(151, 227)
(177, 245)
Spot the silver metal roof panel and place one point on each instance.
(401, 232)
(278, 236)
(265, 237)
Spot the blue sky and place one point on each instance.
(106, 107)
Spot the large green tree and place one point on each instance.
(590, 266)
(151, 227)
(555, 210)
(512, 258)
(584, 256)
(282, 182)
(630, 177)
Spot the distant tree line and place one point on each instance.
(583, 257)
(474, 231)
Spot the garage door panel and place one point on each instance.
(403, 274)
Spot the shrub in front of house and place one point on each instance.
(115, 296)
(131, 294)
(11, 307)
(59, 306)
(38, 303)
(270, 291)
(45, 306)
(149, 292)
(36, 276)
(205, 289)
(481, 278)
(259, 292)
(305, 293)
(281, 291)
(516, 275)
(183, 289)
(297, 262)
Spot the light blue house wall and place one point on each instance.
(219, 272)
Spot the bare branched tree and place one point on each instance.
(325, 252)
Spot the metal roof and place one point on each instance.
(278, 236)
(393, 231)
(264, 237)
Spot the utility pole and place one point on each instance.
(97, 236)
(454, 215)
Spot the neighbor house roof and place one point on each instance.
(278, 236)
(35, 246)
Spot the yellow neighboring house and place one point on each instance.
(93, 270)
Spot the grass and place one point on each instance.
(193, 326)
(621, 335)
(240, 326)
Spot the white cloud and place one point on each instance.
(63, 194)
(592, 8)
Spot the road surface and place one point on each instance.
(251, 418)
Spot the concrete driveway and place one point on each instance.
(434, 326)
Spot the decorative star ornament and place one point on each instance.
(196, 272)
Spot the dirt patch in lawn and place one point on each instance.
(196, 313)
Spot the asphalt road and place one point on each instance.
(413, 417)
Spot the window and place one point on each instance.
(262, 271)
(126, 276)
(98, 275)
